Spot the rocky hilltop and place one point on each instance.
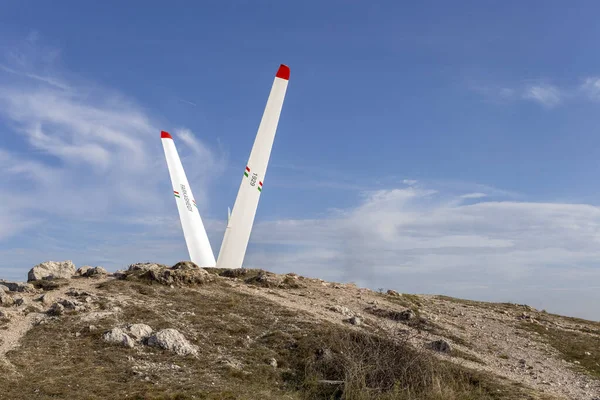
(181, 332)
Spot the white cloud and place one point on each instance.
(428, 241)
(591, 87)
(473, 196)
(84, 154)
(410, 182)
(546, 95)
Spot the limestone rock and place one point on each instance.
(46, 299)
(342, 310)
(185, 265)
(17, 286)
(19, 301)
(117, 335)
(52, 270)
(180, 276)
(71, 304)
(139, 331)
(78, 293)
(146, 267)
(120, 274)
(273, 363)
(6, 300)
(172, 340)
(83, 270)
(57, 309)
(95, 272)
(407, 315)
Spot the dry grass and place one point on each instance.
(571, 345)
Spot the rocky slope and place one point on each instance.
(154, 332)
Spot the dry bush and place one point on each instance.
(353, 365)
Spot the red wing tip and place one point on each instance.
(165, 135)
(283, 72)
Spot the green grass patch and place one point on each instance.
(573, 346)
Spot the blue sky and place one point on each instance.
(430, 148)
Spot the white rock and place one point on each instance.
(146, 267)
(83, 270)
(6, 300)
(52, 270)
(117, 335)
(139, 331)
(17, 286)
(96, 271)
(173, 340)
(342, 310)
(56, 309)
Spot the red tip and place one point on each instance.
(283, 72)
(165, 135)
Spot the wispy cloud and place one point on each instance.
(546, 95)
(591, 88)
(44, 79)
(473, 196)
(428, 240)
(83, 156)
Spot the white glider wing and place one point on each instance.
(239, 226)
(193, 229)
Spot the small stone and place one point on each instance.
(95, 272)
(46, 299)
(185, 265)
(18, 286)
(57, 309)
(81, 271)
(341, 309)
(355, 320)
(407, 315)
(120, 274)
(440, 345)
(273, 363)
(173, 340)
(6, 300)
(139, 331)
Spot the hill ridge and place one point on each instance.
(244, 322)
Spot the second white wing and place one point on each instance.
(193, 229)
(239, 227)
